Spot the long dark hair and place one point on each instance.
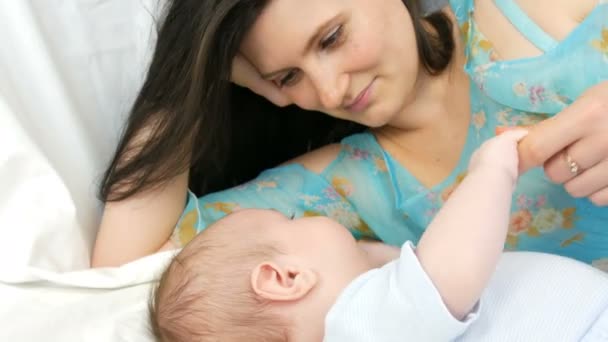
(189, 116)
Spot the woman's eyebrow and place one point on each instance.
(309, 45)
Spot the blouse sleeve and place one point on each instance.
(290, 189)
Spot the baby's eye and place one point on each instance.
(332, 38)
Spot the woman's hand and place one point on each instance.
(246, 75)
(573, 146)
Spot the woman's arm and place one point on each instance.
(143, 223)
(139, 225)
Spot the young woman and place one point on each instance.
(430, 89)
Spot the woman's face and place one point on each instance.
(352, 59)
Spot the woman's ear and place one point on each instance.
(275, 282)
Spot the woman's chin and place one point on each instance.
(375, 118)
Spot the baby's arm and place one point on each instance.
(461, 247)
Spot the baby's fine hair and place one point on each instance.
(205, 294)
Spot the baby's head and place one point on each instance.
(256, 275)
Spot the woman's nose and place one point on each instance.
(331, 87)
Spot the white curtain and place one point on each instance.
(69, 69)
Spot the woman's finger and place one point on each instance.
(502, 129)
(589, 181)
(582, 155)
(516, 134)
(550, 136)
(600, 198)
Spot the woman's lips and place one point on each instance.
(362, 100)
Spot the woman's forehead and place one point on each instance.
(285, 27)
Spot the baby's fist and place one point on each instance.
(499, 153)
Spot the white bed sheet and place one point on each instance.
(88, 305)
(46, 291)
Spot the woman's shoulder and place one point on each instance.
(544, 12)
(527, 28)
(574, 10)
(317, 161)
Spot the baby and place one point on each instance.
(257, 275)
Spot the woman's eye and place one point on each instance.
(332, 38)
(289, 79)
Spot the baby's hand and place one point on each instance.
(499, 153)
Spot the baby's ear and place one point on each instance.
(276, 282)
